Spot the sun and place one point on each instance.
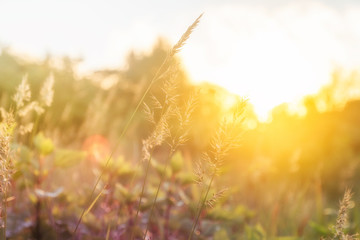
(267, 73)
(268, 57)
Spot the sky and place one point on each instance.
(267, 51)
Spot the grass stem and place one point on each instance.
(201, 207)
(158, 190)
(5, 214)
(141, 194)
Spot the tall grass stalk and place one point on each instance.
(5, 214)
(177, 139)
(200, 208)
(226, 138)
(162, 178)
(156, 138)
(167, 212)
(339, 229)
(6, 163)
(177, 47)
(342, 218)
(141, 194)
(89, 201)
(161, 130)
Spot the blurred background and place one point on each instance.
(296, 62)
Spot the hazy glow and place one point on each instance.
(274, 56)
(268, 54)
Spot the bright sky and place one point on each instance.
(269, 51)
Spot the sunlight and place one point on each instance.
(147, 119)
(269, 54)
(273, 56)
(97, 147)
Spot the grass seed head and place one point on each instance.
(343, 215)
(215, 198)
(47, 91)
(32, 106)
(6, 165)
(23, 93)
(177, 47)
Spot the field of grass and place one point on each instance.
(143, 153)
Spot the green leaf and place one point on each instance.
(185, 178)
(323, 230)
(68, 158)
(255, 232)
(125, 194)
(161, 169)
(176, 162)
(44, 145)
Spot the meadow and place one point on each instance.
(143, 153)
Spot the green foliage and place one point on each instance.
(221, 235)
(120, 169)
(234, 216)
(65, 158)
(185, 178)
(160, 169)
(176, 162)
(124, 194)
(319, 229)
(256, 232)
(43, 145)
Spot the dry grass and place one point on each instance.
(6, 165)
(226, 138)
(177, 47)
(340, 228)
(166, 69)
